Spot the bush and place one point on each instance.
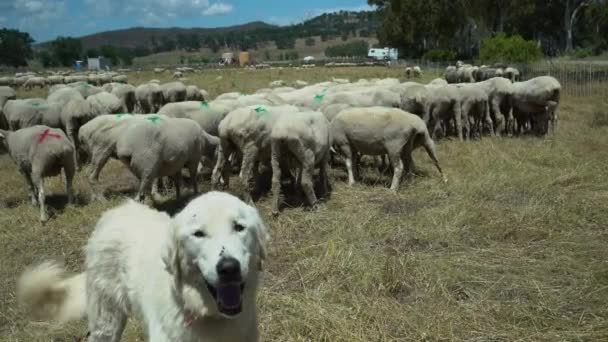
(310, 41)
(437, 55)
(582, 52)
(506, 49)
(354, 49)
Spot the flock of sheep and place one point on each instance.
(29, 80)
(156, 130)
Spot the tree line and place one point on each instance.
(457, 28)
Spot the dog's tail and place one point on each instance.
(49, 294)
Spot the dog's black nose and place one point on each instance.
(229, 268)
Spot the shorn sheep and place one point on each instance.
(41, 152)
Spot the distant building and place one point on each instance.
(383, 54)
(227, 58)
(99, 63)
(308, 59)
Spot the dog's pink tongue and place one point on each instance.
(229, 295)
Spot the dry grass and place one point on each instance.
(513, 248)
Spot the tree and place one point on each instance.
(572, 9)
(66, 50)
(92, 53)
(15, 47)
(354, 49)
(46, 59)
(508, 49)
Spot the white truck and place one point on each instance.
(384, 54)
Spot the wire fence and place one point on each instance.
(578, 78)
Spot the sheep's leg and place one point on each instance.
(144, 188)
(220, 169)
(33, 190)
(397, 164)
(323, 176)
(488, 120)
(500, 119)
(99, 160)
(307, 184)
(44, 216)
(276, 176)
(458, 117)
(348, 159)
(69, 170)
(429, 146)
(552, 110)
(249, 157)
(193, 173)
(177, 181)
(306, 159)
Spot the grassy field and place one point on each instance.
(512, 248)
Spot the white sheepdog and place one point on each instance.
(190, 278)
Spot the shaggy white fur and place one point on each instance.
(190, 278)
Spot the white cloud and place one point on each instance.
(218, 8)
(37, 14)
(155, 12)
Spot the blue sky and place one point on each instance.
(47, 19)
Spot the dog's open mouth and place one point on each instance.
(228, 297)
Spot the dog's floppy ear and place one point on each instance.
(172, 256)
(261, 235)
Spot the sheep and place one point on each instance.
(41, 152)
(451, 75)
(98, 138)
(442, 105)
(158, 146)
(32, 82)
(6, 93)
(512, 74)
(247, 130)
(120, 79)
(64, 95)
(193, 94)
(277, 83)
(500, 93)
(173, 92)
(27, 113)
(51, 80)
(465, 74)
(105, 103)
(85, 89)
(380, 130)
(6, 81)
(300, 140)
(438, 82)
(474, 106)
(178, 75)
(408, 72)
(416, 71)
(300, 84)
(537, 100)
(125, 93)
(207, 114)
(149, 98)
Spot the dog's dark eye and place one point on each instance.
(239, 227)
(199, 234)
